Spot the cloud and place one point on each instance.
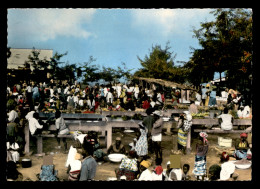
(45, 24)
(168, 21)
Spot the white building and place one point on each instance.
(19, 56)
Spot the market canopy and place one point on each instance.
(165, 83)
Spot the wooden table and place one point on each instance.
(106, 128)
(102, 126)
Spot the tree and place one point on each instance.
(157, 64)
(226, 44)
(160, 65)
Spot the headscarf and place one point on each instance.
(225, 156)
(188, 115)
(132, 153)
(145, 163)
(243, 135)
(204, 136)
(81, 137)
(158, 170)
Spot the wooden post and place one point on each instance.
(188, 95)
(39, 145)
(182, 95)
(188, 148)
(109, 136)
(27, 139)
(174, 142)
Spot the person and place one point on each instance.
(128, 166)
(157, 173)
(227, 167)
(243, 112)
(141, 146)
(98, 153)
(34, 126)
(145, 173)
(193, 109)
(118, 147)
(13, 147)
(214, 172)
(89, 164)
(12, 174)
(172, 174)
(11, 103)
(226, 120)
(48, 171)
(61, 128)
(35, 94)
(109, 98)
(157, 134)
(200, 157)
(74, 168)
(198, 98)
(207, 94)
(212, 99)
(13, 114)
(241, 147)
(12, 129)
(148, 122)
(203, 94)
(237, 101)
(240, 112)
(71, 104)
(184, 125)
(185, 169)
(182, 135)
(19, 136)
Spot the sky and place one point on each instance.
(111, 36)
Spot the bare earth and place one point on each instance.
(106, 170)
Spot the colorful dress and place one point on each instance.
(128, 167)
(141, 146)
(241, 153)
(200, 160)
(182, 137)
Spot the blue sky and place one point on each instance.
(111, 36)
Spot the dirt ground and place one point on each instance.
(106, 169)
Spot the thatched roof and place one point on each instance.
(165, 83)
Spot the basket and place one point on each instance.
(224, 142)
(116, 157)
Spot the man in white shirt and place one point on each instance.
(34, 126)
(226, 120)
(109, 97)
(12, 115)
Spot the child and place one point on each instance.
(157, 172)
(185, 169)
(200, 157)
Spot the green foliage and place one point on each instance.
(160, 64)
(226, 46)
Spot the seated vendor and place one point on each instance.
(117, 147)
(226, 120)
(241, 147)
(128, 167)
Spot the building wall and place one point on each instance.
(19, 56)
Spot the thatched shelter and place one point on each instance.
(165, 83)
(185, 89)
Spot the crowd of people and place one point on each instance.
(26, 100)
